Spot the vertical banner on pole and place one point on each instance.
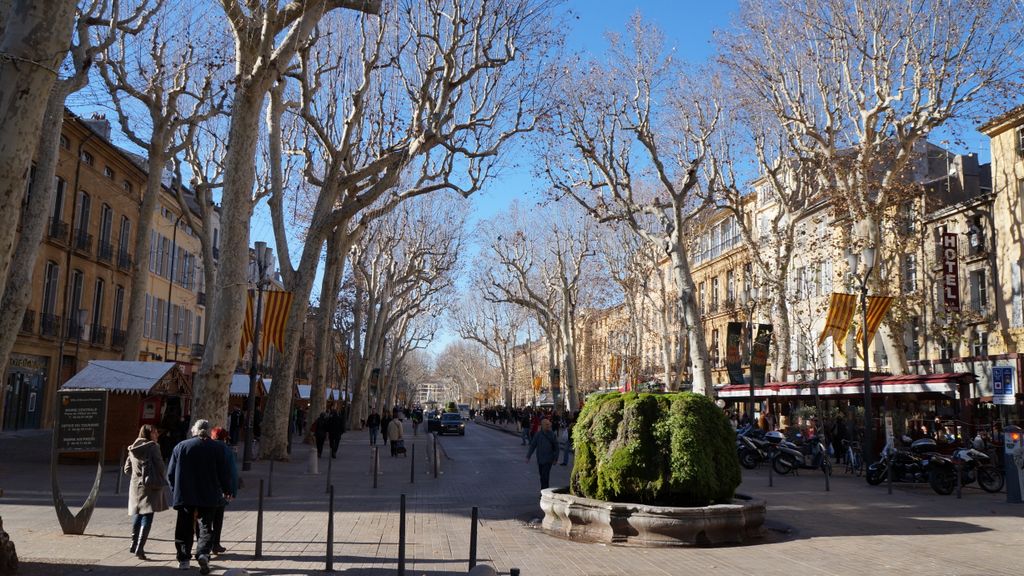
(733, 362)
(759, 354)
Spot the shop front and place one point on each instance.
(24, 391)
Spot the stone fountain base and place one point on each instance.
(585, 520)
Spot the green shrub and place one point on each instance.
(660, 449)
(451, 407)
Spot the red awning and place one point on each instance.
(946, 383)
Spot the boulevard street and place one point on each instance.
(853, 529)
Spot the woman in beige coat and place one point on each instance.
(148, 487)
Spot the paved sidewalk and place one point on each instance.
(853, 529)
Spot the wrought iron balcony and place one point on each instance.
(58, 230)
(74, 330)
(118, 338)
(82, 241)
(124, 260)
(98, 335)
(197, 350)
(105, 252)
(28, 321)
(49, 325)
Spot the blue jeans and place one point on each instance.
(525, 435)
(373, 434)
(141, 524)
(545, 473)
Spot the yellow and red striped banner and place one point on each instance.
(342, 364)
(247, 326)
(840, 315)
(276, 306)
(878, 306)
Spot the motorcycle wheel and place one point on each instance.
(990, 480)
(942, 481)
(748, 459)
(875, 475)
(782, 465)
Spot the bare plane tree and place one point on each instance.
(495, 326)
(628, 143)
(861, 85)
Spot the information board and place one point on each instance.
(81, 420)
(1002, 385)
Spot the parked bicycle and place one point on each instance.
(854, 457)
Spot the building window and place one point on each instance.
(909, 273)
(1020, 141)
(979, 291)
(106, 224)
(97, 304)
(84, 207)
(108, 172)
(714, 293)
(975, 235)
(730, 288)
(64, 142)
(913, 338)
(979, 344)
(76, 300)
(124, 238)
(87, 158)
(58, 200)
(50, 281)
(118, 307)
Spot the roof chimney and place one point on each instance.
(99, 124)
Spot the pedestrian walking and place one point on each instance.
(417, 417)
(320, 433)
(373, 423)
(524, 427)
(221, 436)
(569, 423)
(148, 489)
(335, 428)
(395, 435)
(545, 443)
(199, 476)
(385, 420)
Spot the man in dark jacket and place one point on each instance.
(335, 428)
(200, 478)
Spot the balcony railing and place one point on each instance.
(124, 260)
(28, 321)
(74, 330)
(118, 338)
(58, 230)
(98, 335)
(49, 325)
(201, 298)
(197, 350)
(82, 241)
(105, 252)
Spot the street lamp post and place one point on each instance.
(749, 300)
(869, 265)
(264, 260)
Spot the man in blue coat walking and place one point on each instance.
(200, 478)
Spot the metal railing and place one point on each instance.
(124, 260)
(49, 325)
(197, 350)
(105, 251)
(98, 335)
(58, 230)
(82, 241)
(74, 330)
(118, 338)
(28, 321)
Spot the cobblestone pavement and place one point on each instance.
(852, 529)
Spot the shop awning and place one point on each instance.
(947, 384)
(331, 394)
(131, 377)
(240, 385)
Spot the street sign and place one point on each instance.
(1002, 385)
(81, 420)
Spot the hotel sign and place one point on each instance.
(950, 272)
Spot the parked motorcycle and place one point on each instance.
(811, 456)
(907, 465)
(974, 465)
(752, 448)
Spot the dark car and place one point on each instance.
(452, 422)
(433, 421)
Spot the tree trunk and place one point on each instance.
(36, 38)
(329, 287)
(140, 262)
(358, 411)
(18, 292)
(229, 294)
(781, 332)
(569, 368)
(691, 324)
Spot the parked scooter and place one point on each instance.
(973, 464)
(811, 456)
(907, 465)
(752, 448)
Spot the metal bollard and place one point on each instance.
(889, 465)
(828, 472)
(437, 462)
(259, 524)
(270, 481)
(330, 530)
(412, 466)
(120, 471)
(401, 538)
(959, 492)
(771, 461)
(472, 538)
(330, 462)
(313, 464)
(376, 465)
